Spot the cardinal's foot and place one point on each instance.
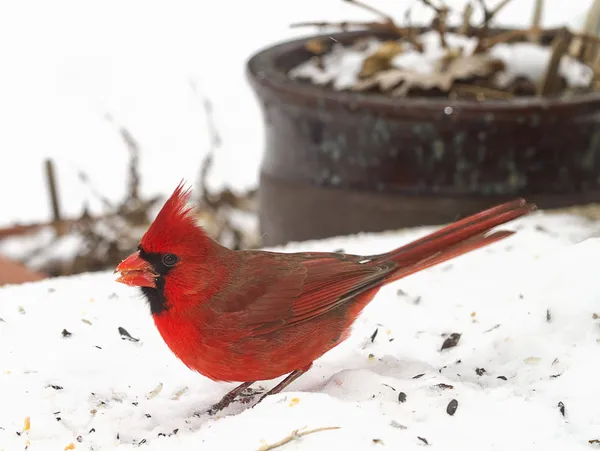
(227, 399)
(248, 395)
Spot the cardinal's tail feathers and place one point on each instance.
(455, 239)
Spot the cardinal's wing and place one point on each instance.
(269, 290)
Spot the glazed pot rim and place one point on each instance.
(262, 69)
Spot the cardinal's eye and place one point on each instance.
(170, 259)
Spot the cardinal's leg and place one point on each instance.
(284, 383)
(229, 398)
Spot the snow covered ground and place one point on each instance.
(66, 64)
(67, 374)
(524, 373)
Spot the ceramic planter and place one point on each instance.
(342, 162)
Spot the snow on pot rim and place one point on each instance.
(269, 68)
(340, 162)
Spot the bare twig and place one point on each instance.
(488, 16)
(592, 27)
(51, 179)
(439, 21)
(481, 92)
(85, 179)
(560, 45)
(294, 436)
(592, 21)
(384, 26)
(465, 27)
(386, 17)
(214, 140)
(214, 208)
(407, 33)
(499, 7)
(430, 4)
(514, 35)
(134, 175)
(536, 22)
(412, 33)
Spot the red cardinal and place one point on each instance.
(254, 315)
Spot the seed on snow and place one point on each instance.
(452, 406)
(155, 392)
(126, 335)
(451, 341)
(178, 393)
(561, 407)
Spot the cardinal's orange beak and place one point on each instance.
(136, 272)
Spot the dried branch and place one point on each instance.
(497, 9)
(488, 16)
(386, 17)
(54, 201)
(295, 435)
(214, 208)
(536, 22)
(380, 74)
(550, 82)
(465, 27)
(591, 27)
(134, 175)
(429, 4)
(85, 179)
(592, 20)
(481, 92)
(515, 35)
(382, 27)
(214, 144)
(412, 33)
(439, 22)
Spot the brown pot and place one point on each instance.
(337, 163)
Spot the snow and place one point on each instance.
(67, 64)
(342, 66)
(524, 308)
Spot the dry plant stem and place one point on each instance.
(591, 27)
(85, 179)
(214, 144)
(488, 16)
(371, 9)
(384, 26)
(412, 34)
(481, 91)
(439, 25)
(465, 27)
(430, 4)
(514, 35)
(402, 32)
(560, 46)
(580, 47)
(439, 21)
(294, 436)
(536, 22)
(134, 175)
(55, 203)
